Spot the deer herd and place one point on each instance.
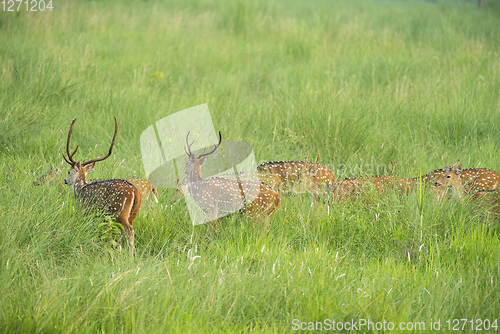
(257, 194)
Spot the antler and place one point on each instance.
(212, 151)
(188, 152)
(317, 158)
(110, 149)
(70, 155)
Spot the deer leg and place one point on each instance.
(129, 231)
(211, 212)
(136, 206)
(127, 216)
(131, 241)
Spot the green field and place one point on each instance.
(363, 82)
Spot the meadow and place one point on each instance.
(362, 82)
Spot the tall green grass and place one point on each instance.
(363, 82)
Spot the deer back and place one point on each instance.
(291, 171)
(271, 180)
(109, 197)
(265, 203)
(219, 197)
(475, 179)
(323, 174)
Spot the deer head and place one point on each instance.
(193, 165)
(451, 176)
(77, 175)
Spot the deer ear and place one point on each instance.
(458, 170)
(90, 167)
(202, 161)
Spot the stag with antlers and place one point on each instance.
(218, 197)
(117, 198)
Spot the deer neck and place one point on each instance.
(79, 184)
(193, 174)
(193, 181)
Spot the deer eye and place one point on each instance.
(448, 176)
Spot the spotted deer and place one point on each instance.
(217, 196)
(147, 188)
(117, 198)
(464, 181)
(427, 181)
(354, 188)
(291, 171)
(430, 178)
(52, 175)
(273, 181)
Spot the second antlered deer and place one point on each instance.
(218, 197)
(117, 198)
